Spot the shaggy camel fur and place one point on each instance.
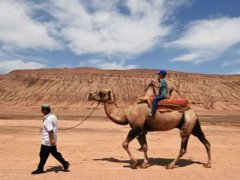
(136, 116)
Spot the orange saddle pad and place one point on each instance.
(174, 103)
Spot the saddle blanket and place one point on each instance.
(170, 103)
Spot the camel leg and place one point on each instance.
(197, 131)
(141, 141)
(133, 133)
(185, 137)
(144, 148)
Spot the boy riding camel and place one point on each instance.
(163, 91)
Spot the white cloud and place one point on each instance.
(120, 28)
(207, 39)
(102, 28)
(235, 72)
(107, 64)
(19, 30)
(9, 65)
(187, 57)
(64, 66)
(230, 63)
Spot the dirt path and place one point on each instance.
(94, 151)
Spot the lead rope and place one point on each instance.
(87, 115)
(82, 120)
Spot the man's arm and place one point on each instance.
(51, 138)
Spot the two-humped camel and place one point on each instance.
(136, 116)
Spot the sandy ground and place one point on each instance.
(94, 150)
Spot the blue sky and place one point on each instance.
(201, 36)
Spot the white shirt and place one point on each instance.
(49, 124)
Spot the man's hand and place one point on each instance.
(52, 142)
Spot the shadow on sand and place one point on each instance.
(153, 162)
(56, 169)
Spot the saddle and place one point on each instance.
(167, 105)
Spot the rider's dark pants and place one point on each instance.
(155, 102)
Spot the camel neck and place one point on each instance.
(115, 113)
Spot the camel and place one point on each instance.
(136, 116)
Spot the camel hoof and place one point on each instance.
(134, 164)
(207, 165)
(140, 149)
(169, 166)
(144, 165)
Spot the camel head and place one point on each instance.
(101, 96)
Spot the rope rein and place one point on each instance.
(82, 120)
(62, 129)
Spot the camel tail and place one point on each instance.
(197, 130)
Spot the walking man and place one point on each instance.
(49, 140)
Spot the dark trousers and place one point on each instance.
(155, 102)
(44, 153)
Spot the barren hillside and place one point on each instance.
(68, 88)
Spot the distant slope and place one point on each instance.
(68, 88)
